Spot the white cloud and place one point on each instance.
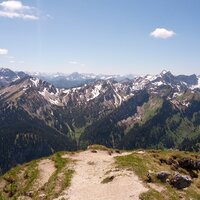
(3, 51)
(15, 9)
(11, 61)
(17, 15)
(13, 5)
(162, 33)
(73, 62)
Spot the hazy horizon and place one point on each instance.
(92, 73)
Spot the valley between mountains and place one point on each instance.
(38, 119)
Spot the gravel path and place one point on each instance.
(91, 169)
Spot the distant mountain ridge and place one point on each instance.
(7, 76)
(60, 80)
(76, 79)
(152, 111)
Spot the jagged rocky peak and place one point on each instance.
(75, 76)
(7, 76)
(118, 91)
(4, 70)
(35, 83)
(165, 72)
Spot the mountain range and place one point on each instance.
(152, 111)
(76, 79)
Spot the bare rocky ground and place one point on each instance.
(97, 178)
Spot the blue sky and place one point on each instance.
(101, 36)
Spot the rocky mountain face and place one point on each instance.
(37, 119)
(7, 76)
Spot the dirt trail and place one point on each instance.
(46, 169)
(91, 169)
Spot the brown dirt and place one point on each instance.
(46, 169)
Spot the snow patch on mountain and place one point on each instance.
(43, 93)
(55, 102)
(186, 104)
(15, 79)
(64, 91)
(95, 92)
(159, 83)
(197, 85)
(150, 77)
(50, 97)
(35, 81)
(177, 94)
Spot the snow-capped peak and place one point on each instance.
(197, 85)
(35, 81)
(164, 72)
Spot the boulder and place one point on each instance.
(198, 164)
(189, 164)
(180, 181)
(163, 175)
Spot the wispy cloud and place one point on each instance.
(162, 33)
(10, 57)
(73, 62)
(3, 51)
(15, 9)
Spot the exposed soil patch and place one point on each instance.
(46, 169)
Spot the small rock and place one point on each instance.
(198, 164)
(30, 194)
(162, 160)
(94, 151)
(181, 196)
(170, 161)
(167, 181)
(118, 151)
(149, 179)
(42, 196)
(173, 163)
(180, 181)
(193, 174)
(163, 175)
